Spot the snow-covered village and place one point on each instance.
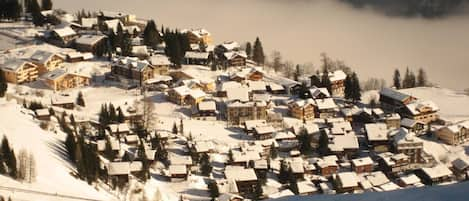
(105, 105)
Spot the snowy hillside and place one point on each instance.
(451, 104)
(53, 170)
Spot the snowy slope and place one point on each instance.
(53, 171)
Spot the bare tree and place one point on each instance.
(32, 168)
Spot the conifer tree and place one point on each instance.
(325, 80)
(315, 80)
(397, 79)
(283, 172)
(205, 165)
(248, 50)
(35, 9)
(175, 128)
(230, 156)
(305, 142)
(356, 90)
(258, 52)
(421, 78)
(80, 99)
(3, 84)
(120, 115)
(142, 156)
(323, 143)
(108, 152)
(293, 183)
(213, 189)
(151, 37)
(348, 87)
(126, 45)
(46, 4)
(273, 151)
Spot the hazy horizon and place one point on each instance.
(372, 44)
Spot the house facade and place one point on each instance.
(19, 71)
(302, 109)
(46, 61)
(238, 112)
(59, 80)
(454, 134)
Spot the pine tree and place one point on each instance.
(3, 84)
(151, 37)
(205, 166)
(181, 126)
(315, 80)
(120, 115)
(126, 46)
(248, 50)
(348, 87)
(397, 79)
(293, 183)
(213, 189)
(283, 175)
(421, 78)
(323, 143)
(70, 146)
(46, 4)
(112, 113)
(305, 142)
(258, 52)
(230, 156)
(304, 93)
(35, 9)
(412, 80)
(273, 151)
(356, 90)
(108, 152)
(297, 73)
(142, 156)
(407, 79)
(325, 80)
(80, 100)
(175, 128)
(12, 166)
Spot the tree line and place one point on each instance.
(410, 80)
(21, 167)
(13, 9)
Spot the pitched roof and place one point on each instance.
(14, 64)
(55, 74)
(376, 131)
(41, 56)
(64, 32)
(437, 171)
(362, 161)
(238, 173)
(393, 94)
(196, 55)
(327, 103)
(89, 39)
(348, 179)
(159, 60)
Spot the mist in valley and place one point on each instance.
(369, 40)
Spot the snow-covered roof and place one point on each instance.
(362, 161)
(264, 129)
(376, 131)
(437, 171)
(245, 156)
(238, 173)
(112, 14)
(41, 56)
(410, 179)
(422, 106)
(315, 92)
(159, 78)
(197, 93)
(240, 93)
(377, 178)
(230, 45)
(123, 168)
(199, 32)
(122, 127)
(113, 24)
(337, 75)
(305, 187)
(284, 135)
(234, 54)
(64, 32)
(55, 74)
(177, 169)
(42, 112)
(132, 61)
(275, 87)
(89, 39)
(327, 103)
(403, 136)
(140, 50)
(207, 105)
(393, 94)
(196, 55)
(257, 85)
(89, 22)
(348, 179)
(344, 142)
(14, 64)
